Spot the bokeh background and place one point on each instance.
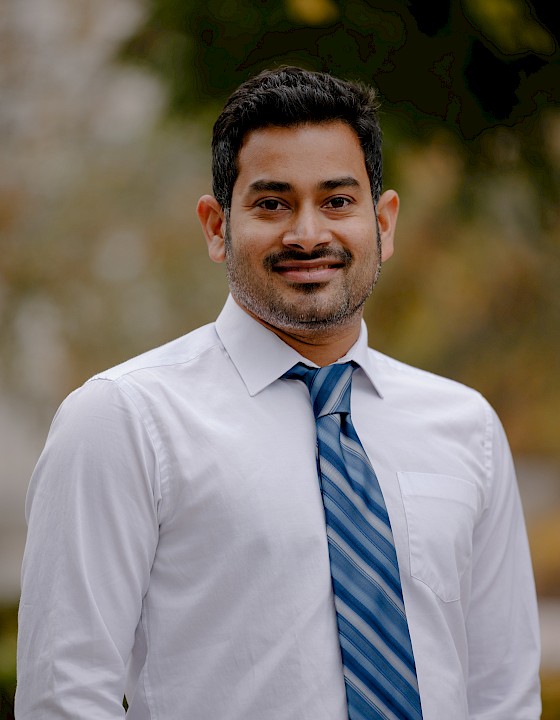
(106, 109)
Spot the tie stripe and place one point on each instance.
(377, 657)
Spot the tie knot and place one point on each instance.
(329, 386)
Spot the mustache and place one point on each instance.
(337, 254)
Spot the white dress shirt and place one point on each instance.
(177, 548)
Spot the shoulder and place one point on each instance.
(141, 385)
(397, 375)
(420, 391)
(178, 352)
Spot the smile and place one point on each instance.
(316, 271)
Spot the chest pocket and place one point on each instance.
(440, 512)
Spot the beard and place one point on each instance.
(309, 306)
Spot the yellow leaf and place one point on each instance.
(312, 12)
(510, 25)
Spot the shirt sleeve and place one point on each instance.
(92, 514)
(502, 622)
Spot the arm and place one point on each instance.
(502, 622)
(92, 533)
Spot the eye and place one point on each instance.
(338, 202)
(270, 204)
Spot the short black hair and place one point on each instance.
(291, 96)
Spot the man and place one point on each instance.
(207, 538)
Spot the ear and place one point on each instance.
(387, 213)
(212, 219)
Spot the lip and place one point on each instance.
(308, 271)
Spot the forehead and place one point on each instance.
(314, 151)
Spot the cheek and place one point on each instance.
(252, 247)
(245, 252)
(363, 245)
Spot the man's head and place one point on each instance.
(289, 97)
(298, 215)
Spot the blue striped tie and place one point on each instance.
(379, 669)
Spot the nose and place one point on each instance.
(307, 231)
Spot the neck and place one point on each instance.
(322, 347)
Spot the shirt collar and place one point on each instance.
(261, 357)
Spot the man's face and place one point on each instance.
(302, 244)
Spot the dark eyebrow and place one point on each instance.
(284, 187)
(336, 183)
(270, 186)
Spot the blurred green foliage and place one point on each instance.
(470, 64)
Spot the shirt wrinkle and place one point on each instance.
(149, 429)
